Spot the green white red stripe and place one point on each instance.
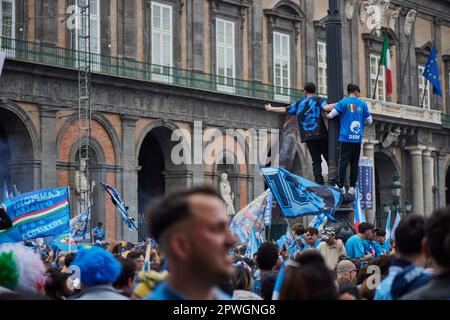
(386, 62)
(38, 215)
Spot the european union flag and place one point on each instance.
(431, 72)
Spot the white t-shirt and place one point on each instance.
(331, 254)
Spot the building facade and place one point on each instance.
(164, 67)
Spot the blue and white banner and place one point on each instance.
(37, 214)
(365, 183)
(79, 225)
(298, 196)
(387, 242)
(397, 220)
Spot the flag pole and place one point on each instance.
(376, 81)
(424, 92)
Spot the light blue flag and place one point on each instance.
(279, 282)
(318, 221)
(298, 197)
(431, 72)
(254, 242)
(387, 242)
(37, 214)
(398, 218)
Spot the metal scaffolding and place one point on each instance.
(83, 38)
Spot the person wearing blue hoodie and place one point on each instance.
(407, 269)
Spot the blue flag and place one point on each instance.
(253, 244)
(117, 201)
(431, 72)
(279, 282)
(37, 214)
(298, 197)
(65, 243)
(318, 221)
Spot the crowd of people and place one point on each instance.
(196, 257)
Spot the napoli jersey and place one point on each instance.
(310, 120)
(353, 112)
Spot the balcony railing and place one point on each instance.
(406, 112)
(51, 55)
(446, 121)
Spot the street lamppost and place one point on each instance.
(333, 25)
(396, 189)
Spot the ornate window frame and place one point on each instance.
(285, 17)
(235, 11)
(177, 10)
(446, 60)
(373, 46)
(422, 55)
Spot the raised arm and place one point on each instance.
(269, 108)
(329, 107)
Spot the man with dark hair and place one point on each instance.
(138, 258)
(409, 254)
(354, 115)
(5, 220)
(436, 246)
(311, 237)
(313, 131)
(126, 278)
(191, 228)
(266, 260)
(355, 246)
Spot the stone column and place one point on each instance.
(48, 147)
(196, 148)
(441, 176)
(368, 151)
(129, 174)
(428, 181)
(417, 179)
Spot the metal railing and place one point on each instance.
(49, 54)
(445, 120)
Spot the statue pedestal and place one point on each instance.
(344, 217)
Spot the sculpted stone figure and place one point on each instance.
(393, 17)
(391, 137)
(350, 8)
(227, 195)
(82, 186)
(409, 21)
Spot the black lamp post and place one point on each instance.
(333, 26)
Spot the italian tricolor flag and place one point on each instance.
(386, 61)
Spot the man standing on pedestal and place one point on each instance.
(354, 114)
(313, 131)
